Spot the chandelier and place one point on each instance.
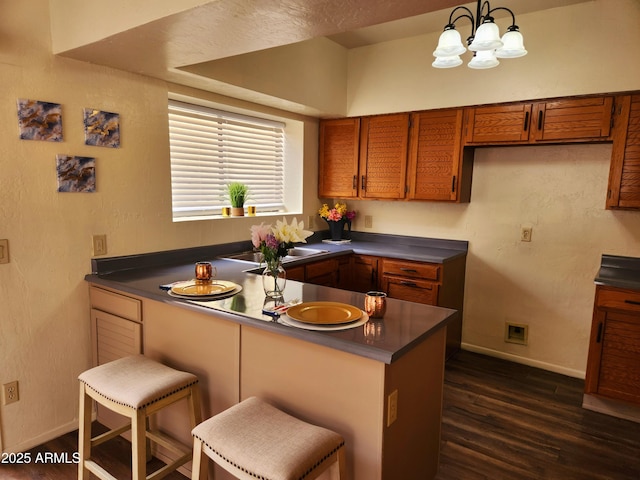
(484, 42)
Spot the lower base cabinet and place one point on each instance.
(440, 285)
(116, 332)
(613, 365)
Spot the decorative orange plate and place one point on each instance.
(193, 289)
(324, 313)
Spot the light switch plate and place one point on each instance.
(4, 251)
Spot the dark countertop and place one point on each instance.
(405, 323)
(621, 272)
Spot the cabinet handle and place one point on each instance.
(540, 116)
(453, 184)
(408, 284)
(526, 121)
(599, 337)
(408, 270)
(632, 302)
(355, 182)
(363, 183)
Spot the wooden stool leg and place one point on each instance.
(84, 433)
(195, 410)
(199, 464)
(342, 464)
(139, 445)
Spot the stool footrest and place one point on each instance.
(167, 442)
(105, 437)
(98, 471)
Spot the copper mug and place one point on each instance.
(375, 304)
(205, 272)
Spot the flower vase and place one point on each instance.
(336, 228)
(274, 279)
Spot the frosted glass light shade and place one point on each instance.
(447, 62)
(449, 44)
(487, 38)
(513, 45)
(484, 59)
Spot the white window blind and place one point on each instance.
(211, 148)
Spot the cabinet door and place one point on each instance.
(384, 142)
(295, 273)
(498, 124)
(624, 175)
(617, 374)
(435, 156)
(338, 158)
(575, 119)
(364, 273)
(323, 272)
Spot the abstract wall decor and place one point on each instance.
(76, 174)
(101, 129)
(40, 120)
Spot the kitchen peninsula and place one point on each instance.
(379, 384)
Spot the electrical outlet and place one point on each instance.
(10, 393)
(525, 234)
(310, 219)
(368, 221)
(392, 407)
(4, 251)
(99, 245)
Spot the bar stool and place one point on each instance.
(135, 387)
(254, 440)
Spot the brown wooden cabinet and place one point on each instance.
(338, 158)
(364, 157)
(438, 169)
(586, 119)
(363, 273)
(624, 175)
(497, 124)
(613, 366)
(572, 119)
(384, 141)
(429, 283)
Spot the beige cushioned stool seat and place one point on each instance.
(135, 387)
(263, 442)
(136, 381)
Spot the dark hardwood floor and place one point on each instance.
(501, 421)
(505, 421)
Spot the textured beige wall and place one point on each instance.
(558, 190)
(44, 313)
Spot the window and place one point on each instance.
(211, 148)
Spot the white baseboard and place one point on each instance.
(525, 361)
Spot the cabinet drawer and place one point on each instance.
(411, 269)
(116, 304)
(618, 299)
(419, 291)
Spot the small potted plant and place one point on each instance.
(237, 193)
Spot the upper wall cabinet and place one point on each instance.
(624, 175)
(437, 168)
(384, 141)
(563, 120)
(339, 153)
